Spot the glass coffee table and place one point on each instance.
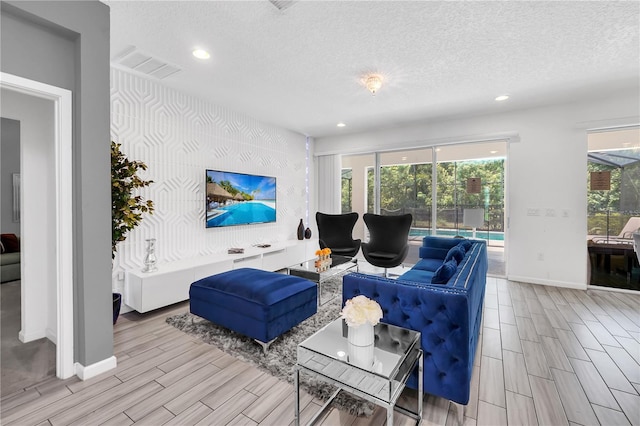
(325, 355)
(307, 269)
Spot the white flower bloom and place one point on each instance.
(360, 310)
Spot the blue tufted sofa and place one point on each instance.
(448, 315)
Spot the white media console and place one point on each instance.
(145, 291)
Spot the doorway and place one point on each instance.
(613, 207)
(46, 212)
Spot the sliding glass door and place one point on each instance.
(470, 191)
(613, 207)
(406, 187)
(465, 195)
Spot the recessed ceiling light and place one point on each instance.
(493, 152)
(502, 98)
(341, 125)
(201, 54)
(403, 158)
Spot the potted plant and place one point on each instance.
(126, 208)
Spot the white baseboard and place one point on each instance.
(552, 283)
(30, 337)
(51, 335)
(93, 370)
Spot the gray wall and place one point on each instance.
(68, 46)
(10, 164)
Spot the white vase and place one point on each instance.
(360, 344)
(150, 259)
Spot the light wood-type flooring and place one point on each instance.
(547, 356)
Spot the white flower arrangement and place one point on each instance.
(360, 310)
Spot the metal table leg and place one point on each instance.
(297, 403)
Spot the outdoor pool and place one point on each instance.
(423, 232)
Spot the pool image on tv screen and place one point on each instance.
(239, 199)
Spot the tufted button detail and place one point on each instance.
(376, 295)
(442, 308)
(429, 322)
(455, 327)
(442, 374)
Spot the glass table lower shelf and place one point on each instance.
(340, 265)
(327, 356)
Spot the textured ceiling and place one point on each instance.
(300, 68)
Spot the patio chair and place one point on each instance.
(625, 236)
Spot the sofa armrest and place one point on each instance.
(441, 314)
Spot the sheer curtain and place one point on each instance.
(328, 183)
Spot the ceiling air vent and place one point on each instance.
(283, 4)
(144, 63)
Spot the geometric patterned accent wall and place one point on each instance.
(179, 136)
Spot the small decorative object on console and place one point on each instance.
(235, 250)
(150, 259)
(324, 259)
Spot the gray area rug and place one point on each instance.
(281, 357)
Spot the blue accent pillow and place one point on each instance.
(465, 244)
(456, 252)
(445, 272)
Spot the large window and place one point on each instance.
(406, 186)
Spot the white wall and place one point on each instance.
(546, 170)
(179, 136)
(38, 257)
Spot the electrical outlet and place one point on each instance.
(540, 256)
(565, 213)
(533, 212)
(120, 276)
(551, 213)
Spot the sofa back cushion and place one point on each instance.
(437, 247)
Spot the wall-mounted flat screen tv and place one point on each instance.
(239, 199)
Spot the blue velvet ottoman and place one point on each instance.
(259, 304)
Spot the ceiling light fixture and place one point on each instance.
(201, 54)
(493, 152)
(502, 98)
(373, 83)
(341, 125)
